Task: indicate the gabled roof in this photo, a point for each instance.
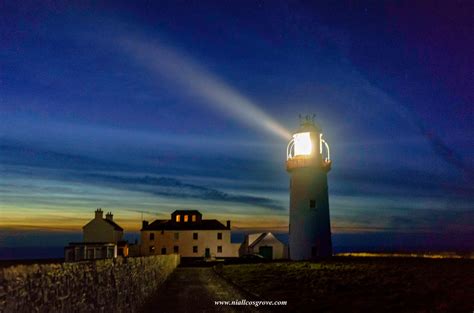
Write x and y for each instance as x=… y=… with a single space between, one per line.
x=115 y=225
x=172 y=225
x=111 y=223
x=254 y=240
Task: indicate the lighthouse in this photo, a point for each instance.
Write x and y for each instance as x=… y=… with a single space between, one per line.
x=308 y=163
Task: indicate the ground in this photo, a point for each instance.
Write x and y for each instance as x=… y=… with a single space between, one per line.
x=194 y=290
x=348 y=284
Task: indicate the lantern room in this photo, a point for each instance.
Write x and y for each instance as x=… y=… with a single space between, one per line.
x=307 y=146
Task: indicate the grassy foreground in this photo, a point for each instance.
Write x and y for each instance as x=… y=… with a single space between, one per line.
x=348 y=284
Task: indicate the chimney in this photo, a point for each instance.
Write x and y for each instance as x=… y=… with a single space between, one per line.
x=144 y=224
x=98 y=213
x=109 y=216
x=228 y=224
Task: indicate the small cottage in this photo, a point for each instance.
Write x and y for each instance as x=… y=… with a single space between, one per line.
x=102 y=238
x=265 y=244
x=102 y=229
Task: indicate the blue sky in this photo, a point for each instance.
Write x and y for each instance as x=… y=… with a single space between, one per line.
x=151 y=107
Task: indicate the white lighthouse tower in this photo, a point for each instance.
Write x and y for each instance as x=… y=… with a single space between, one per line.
x=308 y=162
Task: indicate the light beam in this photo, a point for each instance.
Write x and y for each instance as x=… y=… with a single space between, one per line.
x=169 y=63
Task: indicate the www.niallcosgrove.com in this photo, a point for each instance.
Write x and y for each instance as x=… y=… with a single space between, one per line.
x=254 y=303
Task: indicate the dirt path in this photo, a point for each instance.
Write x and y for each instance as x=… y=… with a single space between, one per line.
x=194 y=290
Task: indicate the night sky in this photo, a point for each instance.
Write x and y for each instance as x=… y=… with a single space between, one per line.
x=144 y=108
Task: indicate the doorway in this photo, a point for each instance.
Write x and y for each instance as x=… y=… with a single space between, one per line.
x=266 y=252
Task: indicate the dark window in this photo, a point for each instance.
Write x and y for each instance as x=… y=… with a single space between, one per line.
x=195 y=236
x=314 y=252
x=176 y=236
x=195 y=249
x=152 y=249
x=163 y=250
x=175 y=249
x=219 y=249
x=312 y=204
x=219 y=236
x=152 y=236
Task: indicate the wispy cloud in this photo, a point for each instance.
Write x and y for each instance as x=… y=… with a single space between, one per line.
x=399 y=181
x=447 y=153
x=74 y=168
x=166 y=186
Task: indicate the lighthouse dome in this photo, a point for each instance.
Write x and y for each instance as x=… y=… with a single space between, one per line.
x=307 y=124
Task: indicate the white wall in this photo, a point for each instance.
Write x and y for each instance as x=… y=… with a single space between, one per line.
x=206 y=239
x=99 y=230
x=280 y=250
x=278 y=247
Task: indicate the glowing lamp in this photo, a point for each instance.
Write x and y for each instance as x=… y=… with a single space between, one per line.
x=302 y=142
x=307 y=146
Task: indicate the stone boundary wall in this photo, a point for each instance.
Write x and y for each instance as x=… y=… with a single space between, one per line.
x=112 y=285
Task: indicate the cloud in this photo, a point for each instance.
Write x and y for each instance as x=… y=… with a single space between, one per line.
x=171 y=187
x=398 y=181
x=432 y=221
x=15 y=153
x=445 y=152
x=70 y=167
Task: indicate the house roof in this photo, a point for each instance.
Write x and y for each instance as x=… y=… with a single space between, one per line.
x=102 y=243
x=186 y=211
x=172 y=225
x=111 y=223
x=255 y=239
x=115 y=225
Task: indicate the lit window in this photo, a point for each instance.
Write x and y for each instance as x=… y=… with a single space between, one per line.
x=193 y=218
x=152 y=236
x=195 y=236
x=176 y=236
x=176 y=249
x=163 y=250
x=219 y=249
x=312 y=204
x=219 y=236
x=152 y=249
x=303 y=145
x=185 y=218
x=195 y=249
x=178 y=218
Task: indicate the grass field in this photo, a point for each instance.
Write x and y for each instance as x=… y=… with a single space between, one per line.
x=351 y=284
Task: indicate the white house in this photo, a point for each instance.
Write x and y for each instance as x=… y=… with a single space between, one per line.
x=102 y=238
x=265 y=244
x=102 y=229
x=189 y=235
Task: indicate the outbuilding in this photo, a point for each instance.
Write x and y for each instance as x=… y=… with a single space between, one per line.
x=265 y=244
